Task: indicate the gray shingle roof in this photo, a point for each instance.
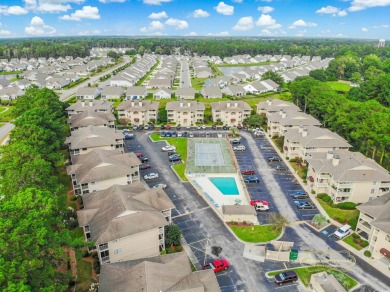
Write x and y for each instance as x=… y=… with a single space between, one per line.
x=378 y=208
x=293 y=118
x=99 y=165
x=169 y=272
x=121 y=211
x=275 y=105
x=92 y=136
x=230 y=106
x=138 y=105
x=185 y=106
x=96 y=105
x=90 y=118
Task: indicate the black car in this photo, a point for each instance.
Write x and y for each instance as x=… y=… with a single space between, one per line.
x=129 y=136
x=225 y=127
x=274 y=158
x=172 y=153
x=299 y=195
x=140 y=127
x=176 y=158
x=286 y=277
x=185 y=134
x=162 y=127
x=143 y=159
x=174 y=134
x=151 y=127
x=168 y=134
x=178 y=128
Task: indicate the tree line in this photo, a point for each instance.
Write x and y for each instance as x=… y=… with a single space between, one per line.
x=32 y=229
x=365 y=124
x=222 y=47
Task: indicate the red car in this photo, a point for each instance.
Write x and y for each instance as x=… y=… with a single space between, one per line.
x=253 y=202
x=217 y=265
x=144 y=166
x=167 y=127
x=139 y=154
x=247 y=172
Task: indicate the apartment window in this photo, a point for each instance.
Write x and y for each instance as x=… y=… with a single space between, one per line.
x=372 y=191
x=93 y=183
x=103 y=246
x=118 y=251
x=84 y=149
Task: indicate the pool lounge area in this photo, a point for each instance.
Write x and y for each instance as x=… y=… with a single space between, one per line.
x=215 y=195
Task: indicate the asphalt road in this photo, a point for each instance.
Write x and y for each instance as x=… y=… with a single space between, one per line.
x=185 y=76
x=68 y=93
x=5 y=129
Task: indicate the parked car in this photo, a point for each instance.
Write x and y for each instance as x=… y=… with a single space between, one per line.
x=143 y=159
x=151 y=127
x=235 y=141
x=162 y=127
x=168 y=134
x=251 y=179
x=253 y=202
x=191 y=135
x=174 y=134
x=188 y=127
x=168 y=148
x=262 y=206
x=304 y=205
x=172 y=153
x=343 y=231
x=162 y=134
x=204 y=127
x=146 y=127
x=175 y=158
x=139 y=154
x=265 y=147
x=299 y=195
x=158 y=186
x=140 y=127
x=239 y=148
x=151 y=175
x=247 y=172
x=135 y=127
x=144 y=166
x=168 y=127
x=274 y=158
x=178 y=128
x=125 y=131
x=185 y=134
x=286 y=277
x=207 y=135
x=199 y=127
x=214 y=127
x=217 y=265
x=179 y=134
x=225 y=127
x=281 y=168
x=129 y=136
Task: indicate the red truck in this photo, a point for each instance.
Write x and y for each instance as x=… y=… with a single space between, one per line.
x=217 y=265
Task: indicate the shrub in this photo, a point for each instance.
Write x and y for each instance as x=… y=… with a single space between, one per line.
x=73 y=198
x=94 y=255
x=364 y=243
x=353 y=223
x=293 y=160
x=313 y=192
x=367 y=253
x=169 y=250
x=85 y=254
x=355 y=235
x=356 y=240
x=320 y=196
x=326 y=198
x=179 y=248
x=346 y=206
x=172 y=235
x=319 y=219
x=287 y=158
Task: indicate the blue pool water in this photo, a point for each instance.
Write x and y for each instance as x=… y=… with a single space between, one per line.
x=226 y=185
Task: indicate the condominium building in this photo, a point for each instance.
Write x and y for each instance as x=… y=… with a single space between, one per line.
x=185 y=113
x=231 y=113
x=138 y=112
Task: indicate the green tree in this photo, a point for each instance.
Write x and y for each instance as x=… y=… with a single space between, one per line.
x=278 y=221
x=254 y=120
x=319 y=74
x=372 y=60
x=162 y=115
x=275 y=77
x=172 y=235
x=31 y=239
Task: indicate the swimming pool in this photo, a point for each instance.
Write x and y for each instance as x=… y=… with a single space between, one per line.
x=226 y=185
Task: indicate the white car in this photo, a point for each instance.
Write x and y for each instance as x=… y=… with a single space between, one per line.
x=204 y=127
x=160 y=186
x=179 y=134
x=343 y=231
x=239 y=148
x=151 y=175
x=168 y=148
x=188 y=127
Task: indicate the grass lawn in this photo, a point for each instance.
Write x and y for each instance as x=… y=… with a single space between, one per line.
x=197 y=83
x=260 y=233
x=245 y=64
x=181 y=148
x=302 y=171
x=339 y=86
x=5 y=116
x=84 y=272
x=349 y=240
x=139 y=83
x=10 y=72
x=343 y=216
x=305 y=273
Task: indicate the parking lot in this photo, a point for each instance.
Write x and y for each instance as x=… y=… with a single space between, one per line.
x=284 y=179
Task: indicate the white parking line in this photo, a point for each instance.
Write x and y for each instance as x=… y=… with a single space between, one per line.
x=281 y=287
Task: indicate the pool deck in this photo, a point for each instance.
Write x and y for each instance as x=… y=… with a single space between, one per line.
x=213 y=195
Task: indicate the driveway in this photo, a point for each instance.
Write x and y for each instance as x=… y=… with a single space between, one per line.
x=68 y=93
x=5 y=129
x=185 y=76
x=200 y=226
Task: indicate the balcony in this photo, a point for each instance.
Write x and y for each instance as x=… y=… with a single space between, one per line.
x=106 y=259
x=161 y=242
x=364 y=228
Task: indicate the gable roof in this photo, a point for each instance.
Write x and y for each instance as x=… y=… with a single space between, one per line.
x=378 y=208
x=138 y=105
x=92 y=136
x=96 y=105
x=230 y=106
x=90 y=118
x=121 y=211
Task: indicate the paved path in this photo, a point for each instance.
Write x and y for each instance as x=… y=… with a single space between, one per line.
x=68 y=93
x=5 y=129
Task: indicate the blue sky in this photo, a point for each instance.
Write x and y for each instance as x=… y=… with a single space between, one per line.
x=285 y=18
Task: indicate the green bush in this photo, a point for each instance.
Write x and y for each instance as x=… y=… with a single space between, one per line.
x=327 y=199
x=353 y=223
x=292 y=160
x=355 y=235
x=313 y=192
x=367 y=253
x=179 y=248
x=364 y=243
x=85 y=254
x=320 y=196
x=346 y=206
x=169 y=250
x=73 y=198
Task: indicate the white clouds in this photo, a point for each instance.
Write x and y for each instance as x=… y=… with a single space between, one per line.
x=158 y=15
x=155 y=2
x=381 y=26
x=244 y=23
x=4 y=32
x=13 y=10
x=237 y=1
x=50 y=6
x=358 y=5
x=265 y=9
x=364 y=29
x=177 y=23
x=301 y=33
x=267 y=22
x=87 y=12
x=153 y=26
x=198 y=13
x=222 y=33
x=111 y=1
x=39 y=28
x=332 y=10
x=302 y=23
x=90 y=32
x=224 y=9
x=192 y=33
x=267 y=32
